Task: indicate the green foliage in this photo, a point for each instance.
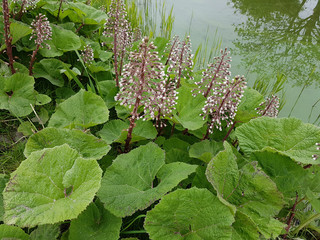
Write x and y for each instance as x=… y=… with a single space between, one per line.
x=171 y=180
x=87 y=145
x=289 y=136
x=95 y=223
x=128 y=184
x=12 y=232
x=189 y=214
x=50 y=186
x=254 y=194
x=189 y=109
x=84 y=110
x=17 y=93
x=48 y=232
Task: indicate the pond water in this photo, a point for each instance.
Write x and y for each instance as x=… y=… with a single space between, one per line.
x=266 y=38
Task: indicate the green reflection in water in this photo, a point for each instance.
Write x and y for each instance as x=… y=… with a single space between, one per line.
x=282 y=36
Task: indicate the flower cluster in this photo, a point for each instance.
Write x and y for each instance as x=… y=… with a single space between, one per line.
x=87 y=55
x=41 y=30
x=316 y=156
x=270 y=107
x=26 y=4
x=118 y=28
x=214 y=75
x=222 y=94
x=143 y=84
x=180 y=59
x=223 y=104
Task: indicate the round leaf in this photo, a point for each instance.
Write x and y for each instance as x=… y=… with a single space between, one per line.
x=12 y=232
x=189 y=214
x=95 y=223
x=289 y=136
x=17 y=93
x=189 y=108
x=127 y=184
x=50 y=186
x=84 y=109
x=87 y=145
x=64 y=39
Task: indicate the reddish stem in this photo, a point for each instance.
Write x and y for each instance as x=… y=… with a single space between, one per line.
x=33 y=58
x=134 y=113
x=214 y=77
x=291 y=217
x=180 y=64
x=231 y=128
x=8 y=38
x=81 y=26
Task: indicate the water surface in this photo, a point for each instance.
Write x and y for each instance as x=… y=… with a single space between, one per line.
x=266 y=38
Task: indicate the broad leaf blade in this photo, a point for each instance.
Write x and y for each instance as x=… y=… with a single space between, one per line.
x=205 y=150
x=17 y=93
x=50 y=186
x=12 y=232
x=47 y=232
x=189 y=214
x=127 y=184
x=189 y=108
x=95 y=223
x=249 y=189
x=84 y=109
x=289 y=136
x=87 y=145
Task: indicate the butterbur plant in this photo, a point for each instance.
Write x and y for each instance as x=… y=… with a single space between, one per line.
x=180 y=59
x=87 y=55
x=8 y=38
x=105 y=159
x=118 y=28
x=143 y=84
x=270 y=107
x=24 y=5
x=222 y=94
x=41 y=31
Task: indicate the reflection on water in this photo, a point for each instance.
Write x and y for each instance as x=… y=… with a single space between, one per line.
x=266 y=38
x=282 y=36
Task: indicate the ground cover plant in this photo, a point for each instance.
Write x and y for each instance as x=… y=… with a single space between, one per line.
x=123 y=140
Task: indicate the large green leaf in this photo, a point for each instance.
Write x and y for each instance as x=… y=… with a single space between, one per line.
x=87 y=145
x=290 y=177
x=128 y=184
x=3 y=181
x=189 y=108
x=247 y=107
x=18 y=30
x=108 y=91
x=64 y=39
x=191 y=214
x=86 y=14
x=50 y=186
x=117 y=131
x=47 y=232
x=95 y=223
x=17 y=93
x=249 y=189
x=205 y=150
x=84 y=109
x=50 y=69
x=244 y=228
x=289 y=136
x=12 y=233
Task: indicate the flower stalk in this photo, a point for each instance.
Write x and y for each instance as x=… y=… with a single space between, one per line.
x=41 y=31
x=118 y=27
x=8 y=38
x=143 y=84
